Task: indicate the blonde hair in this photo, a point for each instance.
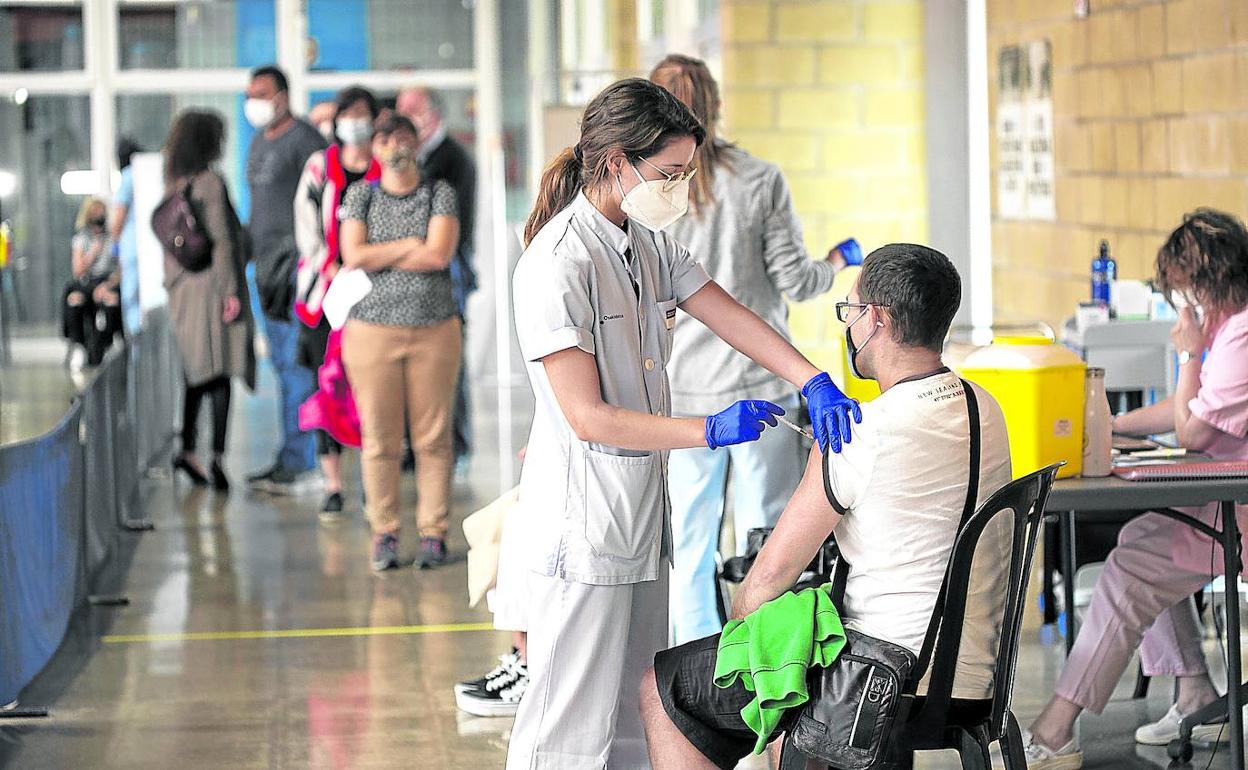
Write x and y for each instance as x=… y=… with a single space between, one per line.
x=84 y=211
x=691 y=82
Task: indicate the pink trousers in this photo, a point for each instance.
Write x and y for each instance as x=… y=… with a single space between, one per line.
x=1142 y=601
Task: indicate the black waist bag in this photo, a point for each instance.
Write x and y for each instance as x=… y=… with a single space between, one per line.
x=856 y=704
x=859 y=705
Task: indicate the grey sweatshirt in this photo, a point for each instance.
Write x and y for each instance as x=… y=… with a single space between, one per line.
x=750 y=241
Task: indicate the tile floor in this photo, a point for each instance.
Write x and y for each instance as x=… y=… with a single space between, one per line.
x=248 y=562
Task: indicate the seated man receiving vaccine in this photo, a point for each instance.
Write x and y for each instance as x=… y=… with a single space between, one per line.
x=893 y=496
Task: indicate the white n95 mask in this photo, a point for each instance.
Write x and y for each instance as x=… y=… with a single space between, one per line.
x=656 y=203
x=259 y=112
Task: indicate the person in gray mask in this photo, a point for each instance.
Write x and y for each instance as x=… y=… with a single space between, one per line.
x=280 y=147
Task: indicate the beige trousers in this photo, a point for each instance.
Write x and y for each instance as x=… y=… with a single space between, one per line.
x=404 y=376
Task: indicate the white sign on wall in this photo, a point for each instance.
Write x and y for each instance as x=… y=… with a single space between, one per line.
x=1011 y=195
x=1024 y=125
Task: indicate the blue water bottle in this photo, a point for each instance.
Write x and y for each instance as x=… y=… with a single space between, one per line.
x=1104 y=272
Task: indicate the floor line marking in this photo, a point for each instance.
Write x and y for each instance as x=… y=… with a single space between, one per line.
x=296 y=633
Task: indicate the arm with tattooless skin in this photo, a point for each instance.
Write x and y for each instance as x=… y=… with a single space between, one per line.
x=573 y=377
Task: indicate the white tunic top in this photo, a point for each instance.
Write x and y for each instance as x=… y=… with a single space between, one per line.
x=598 y=514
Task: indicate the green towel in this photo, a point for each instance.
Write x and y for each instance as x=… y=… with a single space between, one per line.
x=771 y=650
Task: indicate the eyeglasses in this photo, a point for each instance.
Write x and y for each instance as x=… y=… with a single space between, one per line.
x=843 y=308
x=670 y=180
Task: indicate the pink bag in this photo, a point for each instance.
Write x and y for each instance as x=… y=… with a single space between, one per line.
x=332 y=407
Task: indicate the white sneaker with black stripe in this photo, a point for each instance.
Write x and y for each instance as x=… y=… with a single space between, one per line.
x=499 y=698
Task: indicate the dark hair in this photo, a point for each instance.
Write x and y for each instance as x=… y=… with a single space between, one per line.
x=635 y=116
x=691 y=82
x=194 y=143
x=1209 y=253
x=269 y=70
x=126 y=148
x=921 y=288
x=391 y=123
x=348 y=98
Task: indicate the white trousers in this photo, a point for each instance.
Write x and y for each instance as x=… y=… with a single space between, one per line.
x=588 y=648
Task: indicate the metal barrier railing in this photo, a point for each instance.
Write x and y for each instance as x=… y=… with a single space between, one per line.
x=66 y=497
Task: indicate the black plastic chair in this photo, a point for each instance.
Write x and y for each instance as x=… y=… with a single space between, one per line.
x=937 y=721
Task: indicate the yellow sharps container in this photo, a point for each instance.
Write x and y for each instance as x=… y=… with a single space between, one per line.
x=1040 y=388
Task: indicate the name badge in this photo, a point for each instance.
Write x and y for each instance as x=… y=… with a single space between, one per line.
x=669 y=319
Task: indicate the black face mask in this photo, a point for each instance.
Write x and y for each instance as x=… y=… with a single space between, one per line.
x=96 y=222
x=853 y=350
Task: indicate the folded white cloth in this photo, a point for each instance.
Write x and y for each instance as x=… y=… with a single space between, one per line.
x=484 y=532
x=350 y=286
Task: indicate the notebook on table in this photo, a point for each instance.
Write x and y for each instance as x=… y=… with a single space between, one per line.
x=1184 y=471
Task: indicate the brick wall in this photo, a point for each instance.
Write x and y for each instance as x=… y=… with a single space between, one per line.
x=832 y=91
x=1151 y=120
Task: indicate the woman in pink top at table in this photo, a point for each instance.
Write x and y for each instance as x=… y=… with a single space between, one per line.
x=1142 y=599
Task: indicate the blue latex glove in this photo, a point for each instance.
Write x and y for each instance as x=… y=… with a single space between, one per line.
x=850 y=251
x=830 y=412
x=115 y=251
x=741 y=422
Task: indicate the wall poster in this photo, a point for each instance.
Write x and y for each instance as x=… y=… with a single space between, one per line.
x=1024 y=126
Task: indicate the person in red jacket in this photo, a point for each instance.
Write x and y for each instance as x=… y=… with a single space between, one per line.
x=326 y=177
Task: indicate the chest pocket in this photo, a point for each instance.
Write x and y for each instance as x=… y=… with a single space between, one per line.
x=667 y=319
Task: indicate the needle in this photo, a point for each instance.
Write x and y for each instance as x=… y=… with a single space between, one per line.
x=794 y=427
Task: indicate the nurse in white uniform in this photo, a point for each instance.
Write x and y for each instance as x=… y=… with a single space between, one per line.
x=596 y=293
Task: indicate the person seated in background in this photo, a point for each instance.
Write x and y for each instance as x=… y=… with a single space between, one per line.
x=894 y=497
x=1142 y=598
x=92 y=311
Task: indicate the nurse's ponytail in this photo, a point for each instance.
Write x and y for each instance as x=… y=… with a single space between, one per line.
x=633 y=115
x=560 y=182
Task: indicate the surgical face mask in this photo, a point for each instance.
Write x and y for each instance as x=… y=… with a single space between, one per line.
x=852 y=350
x=1182 y=299
x=259 y=112
x=656 y=204
x=354 y=130
x=399 y=159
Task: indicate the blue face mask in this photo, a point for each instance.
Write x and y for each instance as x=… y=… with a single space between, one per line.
x=852 y=350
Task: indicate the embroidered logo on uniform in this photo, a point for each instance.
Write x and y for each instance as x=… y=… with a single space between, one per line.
x=612 y=317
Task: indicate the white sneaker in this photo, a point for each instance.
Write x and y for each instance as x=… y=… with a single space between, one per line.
x=1041 y=757
x=77 y=358
x=1166 y=729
